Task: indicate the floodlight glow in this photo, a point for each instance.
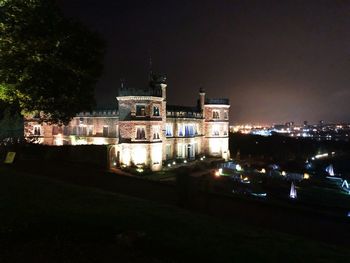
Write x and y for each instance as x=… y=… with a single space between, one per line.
x=99 y=141
x=245 y=180
x=139 y=155
x=306 y=176
x=293 y=191
x=318 y=156
x=284 y=173
x=260 y=195
x=185 y=161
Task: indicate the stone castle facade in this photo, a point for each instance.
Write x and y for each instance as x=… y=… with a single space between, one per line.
x=144 y=130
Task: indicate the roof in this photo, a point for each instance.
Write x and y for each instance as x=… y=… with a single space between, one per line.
x=182 y=108
x=183 y=111
x=220 y=101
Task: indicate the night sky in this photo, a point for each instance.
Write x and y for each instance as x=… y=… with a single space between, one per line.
x=276 y=61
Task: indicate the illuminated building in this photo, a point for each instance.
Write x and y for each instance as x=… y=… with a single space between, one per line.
x=144 y=130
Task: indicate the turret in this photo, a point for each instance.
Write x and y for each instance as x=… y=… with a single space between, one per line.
x=201 y=98
x=158 y=81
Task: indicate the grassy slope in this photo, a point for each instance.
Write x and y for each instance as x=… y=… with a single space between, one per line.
x=43 y=220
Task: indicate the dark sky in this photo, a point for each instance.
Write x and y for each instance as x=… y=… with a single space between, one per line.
x=276 y=61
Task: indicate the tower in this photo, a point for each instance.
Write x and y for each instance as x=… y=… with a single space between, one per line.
x=201 y=98
x=216 y=126
x=141 y=123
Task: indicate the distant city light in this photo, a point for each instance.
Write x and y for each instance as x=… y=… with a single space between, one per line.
x=320 y=131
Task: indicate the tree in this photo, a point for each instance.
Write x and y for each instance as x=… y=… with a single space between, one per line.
x=48 y=63
x=11 y=124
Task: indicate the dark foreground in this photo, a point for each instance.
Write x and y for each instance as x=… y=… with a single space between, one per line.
x=46 y=220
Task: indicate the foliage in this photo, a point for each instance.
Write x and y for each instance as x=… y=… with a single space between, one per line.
x=48 y=63
x=11 y=124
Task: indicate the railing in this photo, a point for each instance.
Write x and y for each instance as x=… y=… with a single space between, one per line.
x=218 y=101
x=156 y=92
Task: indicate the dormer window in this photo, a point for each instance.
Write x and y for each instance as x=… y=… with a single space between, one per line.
x=156 y=111
x=140 y=110
x=216 y=114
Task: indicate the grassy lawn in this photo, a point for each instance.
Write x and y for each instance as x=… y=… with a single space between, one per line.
x=44 y=220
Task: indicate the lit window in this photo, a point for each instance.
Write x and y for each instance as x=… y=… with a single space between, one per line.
x=140 y=133
x=180 y=127
x=140 y=110
x=169 y=130
x=189 y=130
x=81 y=130
x=37 y=130
x=155 y=110
x=226 y=115
x=90 y=130
x=156 y=133
x=216 y=114
x=215 y=130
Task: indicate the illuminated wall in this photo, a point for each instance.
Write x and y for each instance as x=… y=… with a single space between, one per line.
x=143 y=132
